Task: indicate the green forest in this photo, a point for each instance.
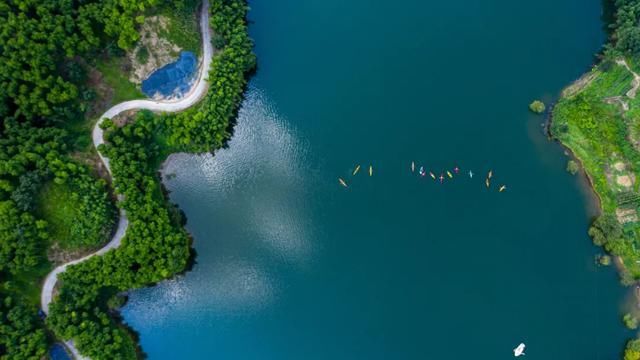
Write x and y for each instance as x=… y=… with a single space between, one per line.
x=55 y=196
x=598 y=119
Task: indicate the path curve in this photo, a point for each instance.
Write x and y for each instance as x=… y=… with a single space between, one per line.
x=195 y=94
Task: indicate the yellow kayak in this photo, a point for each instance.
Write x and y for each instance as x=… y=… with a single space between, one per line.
x=490 y=174
x=432 y=175
x=370 y=170
x=449 y=175
x=342 y=182
x=487 y=182
x=413 y=167
x=502 y=188
x=356 y=170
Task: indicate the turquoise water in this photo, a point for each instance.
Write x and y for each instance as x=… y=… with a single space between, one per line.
x=172 y=79
x=292 y=266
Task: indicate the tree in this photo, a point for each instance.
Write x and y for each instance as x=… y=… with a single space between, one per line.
x=632 y=351
x=630 y=321
x=604 y=229
x=573 y=167
x=21 y=237
x=537 y=107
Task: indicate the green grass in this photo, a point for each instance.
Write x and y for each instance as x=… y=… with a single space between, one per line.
x=57 y=207
x=115 y=77
x=27 y=284
x=142 y=55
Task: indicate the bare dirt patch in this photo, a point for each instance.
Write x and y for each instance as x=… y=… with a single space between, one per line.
x=626 y=215
x=579 y=84
x=152 y=51
x=625 y=180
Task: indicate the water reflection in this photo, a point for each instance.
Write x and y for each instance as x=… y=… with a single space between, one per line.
x=252 y=197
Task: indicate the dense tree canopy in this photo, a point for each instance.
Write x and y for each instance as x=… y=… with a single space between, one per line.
x=37 y=38
x=626 y=32
x=205 y=127
x=21 y=336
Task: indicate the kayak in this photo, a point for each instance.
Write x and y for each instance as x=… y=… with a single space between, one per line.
x=471 y=174
x=502 y=188
x=490 y=174
x=413 y=167
x=449 y=175
x=342 y=182
x=422 y=172
x=487 y=182
x=456 y=169
x=370 y=170
x=432 y=175
x=356 y=170
x=441 y=178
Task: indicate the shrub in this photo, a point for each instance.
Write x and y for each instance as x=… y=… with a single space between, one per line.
x=573 y=167
x=537 y=107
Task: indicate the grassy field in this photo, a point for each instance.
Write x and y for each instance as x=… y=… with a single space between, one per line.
x=57 y=208
x=115 y=76
x=600 y=125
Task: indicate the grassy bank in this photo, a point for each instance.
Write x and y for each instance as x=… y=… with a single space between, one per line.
x=596 y=121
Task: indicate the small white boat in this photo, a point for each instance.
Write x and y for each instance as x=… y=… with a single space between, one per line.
x=471 y=174
x=519 y=350
x=413 y=166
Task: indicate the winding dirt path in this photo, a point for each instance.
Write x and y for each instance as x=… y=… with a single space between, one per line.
x=197 y=92
x=635 y=83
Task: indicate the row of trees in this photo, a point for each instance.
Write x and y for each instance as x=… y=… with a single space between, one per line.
x=204 y=127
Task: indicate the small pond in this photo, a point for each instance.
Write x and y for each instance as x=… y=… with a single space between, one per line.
x=173 y=79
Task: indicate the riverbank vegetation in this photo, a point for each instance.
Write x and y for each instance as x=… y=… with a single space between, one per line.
x=156 y=246
x=598 y=119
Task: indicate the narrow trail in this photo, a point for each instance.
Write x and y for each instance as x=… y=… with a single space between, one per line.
x=195 y=94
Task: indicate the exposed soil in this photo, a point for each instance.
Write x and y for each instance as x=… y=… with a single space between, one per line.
x=160 y=50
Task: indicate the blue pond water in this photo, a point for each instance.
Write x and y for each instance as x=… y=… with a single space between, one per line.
x=172 y=79
x=58 y=352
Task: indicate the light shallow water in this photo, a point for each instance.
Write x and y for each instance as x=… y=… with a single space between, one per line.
x=292 y=266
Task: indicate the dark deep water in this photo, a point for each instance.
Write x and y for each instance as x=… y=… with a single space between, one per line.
x=292 y=266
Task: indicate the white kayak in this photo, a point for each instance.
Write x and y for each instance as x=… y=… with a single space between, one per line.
x=519 y=350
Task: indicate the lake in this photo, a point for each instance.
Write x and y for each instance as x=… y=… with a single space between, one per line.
x=291 y=265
